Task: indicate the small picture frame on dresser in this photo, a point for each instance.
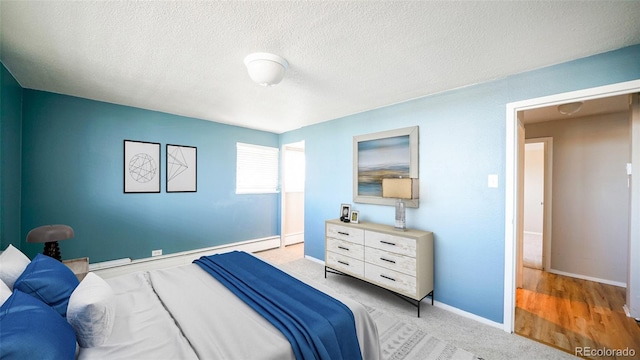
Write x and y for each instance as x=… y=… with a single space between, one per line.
x=355 y=214
x=345 y=212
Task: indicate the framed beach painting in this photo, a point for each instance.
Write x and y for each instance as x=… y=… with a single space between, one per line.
x=387 y=154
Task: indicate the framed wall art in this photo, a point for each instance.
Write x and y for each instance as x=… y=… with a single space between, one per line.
x=392 y=153
x=182 y=168
x=141 y=167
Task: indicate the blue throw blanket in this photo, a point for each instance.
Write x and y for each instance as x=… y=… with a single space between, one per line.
x=317 y=325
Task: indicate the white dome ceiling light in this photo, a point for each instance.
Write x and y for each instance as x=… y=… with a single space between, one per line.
x=266 y=69
x=570 y=108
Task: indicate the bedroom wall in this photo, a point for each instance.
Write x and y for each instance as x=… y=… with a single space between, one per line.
x=10 y=141
x=462 y=141
x=590 y=208
x=72 y=166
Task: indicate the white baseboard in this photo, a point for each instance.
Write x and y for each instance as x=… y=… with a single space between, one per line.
x=468 y=315
x=109 y=269
x=590 y=278
x=314 y=259
x=443 y=306
x=290 y=239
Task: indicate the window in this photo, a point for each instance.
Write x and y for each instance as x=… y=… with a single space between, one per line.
x=256 y=169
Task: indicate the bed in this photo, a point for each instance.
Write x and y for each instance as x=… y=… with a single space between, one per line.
x=179 y=313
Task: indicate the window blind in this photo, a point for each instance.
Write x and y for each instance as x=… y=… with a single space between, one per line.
x=256 y=169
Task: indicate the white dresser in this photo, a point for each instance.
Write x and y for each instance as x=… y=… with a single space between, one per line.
x=399 y=261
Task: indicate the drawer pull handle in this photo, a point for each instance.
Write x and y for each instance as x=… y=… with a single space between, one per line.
x=388 y=243
x=343 y=248
x=343 y=262
x=343 y=233
x=388 y=278
x=387 y=260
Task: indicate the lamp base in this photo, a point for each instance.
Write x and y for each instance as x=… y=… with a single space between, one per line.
x=52 y=249
x=401 y=223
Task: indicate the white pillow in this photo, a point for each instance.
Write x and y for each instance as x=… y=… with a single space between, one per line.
x=92 y=311
x=12 y=264
x=5 y=292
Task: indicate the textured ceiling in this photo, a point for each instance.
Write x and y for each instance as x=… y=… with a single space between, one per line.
x=345 y=57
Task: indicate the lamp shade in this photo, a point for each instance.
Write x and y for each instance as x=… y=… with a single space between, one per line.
x=400 y=188
x=266 y=69
x=50 y=233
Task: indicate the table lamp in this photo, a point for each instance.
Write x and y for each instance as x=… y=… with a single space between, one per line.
x=50 y=235
x=400 y=188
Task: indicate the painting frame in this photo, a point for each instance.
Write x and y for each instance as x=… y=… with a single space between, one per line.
x=141 y=167
x=181 y=168
x=354 y=216
x=343 y=208
x=367 y=177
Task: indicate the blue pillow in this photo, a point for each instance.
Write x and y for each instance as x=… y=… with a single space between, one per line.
x=32 y=330
x=48 y=280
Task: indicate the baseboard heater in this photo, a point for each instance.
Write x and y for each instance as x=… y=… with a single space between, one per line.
x=123 y=266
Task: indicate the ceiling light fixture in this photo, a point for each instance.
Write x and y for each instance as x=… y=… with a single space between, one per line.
x=266 y=69
x=570 y=108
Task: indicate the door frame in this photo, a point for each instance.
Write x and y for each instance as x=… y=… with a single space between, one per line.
x=513 y=190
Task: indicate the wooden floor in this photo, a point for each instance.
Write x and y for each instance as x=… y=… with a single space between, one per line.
x=283 y=255
x=573 y=314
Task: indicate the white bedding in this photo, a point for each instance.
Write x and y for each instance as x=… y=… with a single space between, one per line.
x=185 y=313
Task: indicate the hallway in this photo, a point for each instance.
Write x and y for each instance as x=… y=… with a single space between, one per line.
x=573 y=314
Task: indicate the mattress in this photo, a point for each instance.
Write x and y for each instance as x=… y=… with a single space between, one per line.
x=185 y=313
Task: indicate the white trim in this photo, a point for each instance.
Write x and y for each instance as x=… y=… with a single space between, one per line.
x=590 y=278
x=441 y=305
x=293 y=238
x=316 y=260
x=118 y=267
x=510 y=168
x=467 y=315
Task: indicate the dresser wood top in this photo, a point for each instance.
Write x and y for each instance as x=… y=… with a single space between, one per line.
x=387 y=229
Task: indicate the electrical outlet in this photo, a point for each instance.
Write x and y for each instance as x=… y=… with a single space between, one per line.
x=156 y=252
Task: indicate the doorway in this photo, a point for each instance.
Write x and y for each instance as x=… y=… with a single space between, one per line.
x=513 y=194
x=293 y=180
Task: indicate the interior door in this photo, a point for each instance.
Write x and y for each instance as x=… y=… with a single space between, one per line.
x=293 y=194
x=534 y=179
x=520 y=202
x=633 y=276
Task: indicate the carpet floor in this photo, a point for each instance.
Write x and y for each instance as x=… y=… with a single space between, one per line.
x=455 y=336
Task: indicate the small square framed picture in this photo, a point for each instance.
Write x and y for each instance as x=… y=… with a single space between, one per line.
x=345 y=211
x=354 y=216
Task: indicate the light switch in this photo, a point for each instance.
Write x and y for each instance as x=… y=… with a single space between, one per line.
x=493 y=180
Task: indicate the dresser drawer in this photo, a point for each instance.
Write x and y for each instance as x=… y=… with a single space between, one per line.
x=345 y=233
x=391 y=261
x=393 y=243
x=390 y=279
x=345 y=248
x=344 y=263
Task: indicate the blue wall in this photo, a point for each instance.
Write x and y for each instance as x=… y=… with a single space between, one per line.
x=462 y=141
x=10 y=141
x=72 y=173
